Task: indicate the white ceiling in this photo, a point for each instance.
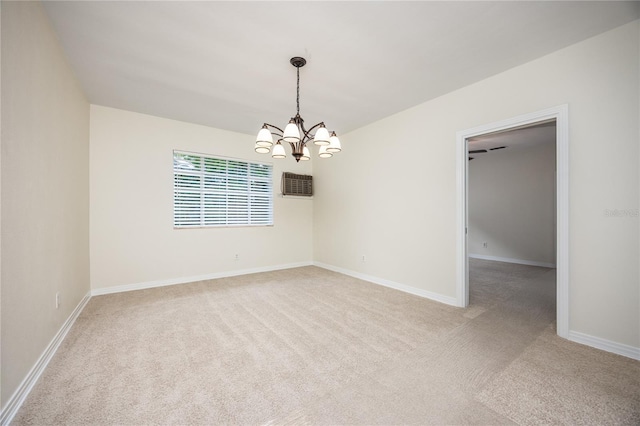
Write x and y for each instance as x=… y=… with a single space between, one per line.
x=513 y=139
x=226 y=64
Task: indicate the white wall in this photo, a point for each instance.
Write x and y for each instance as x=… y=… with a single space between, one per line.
x=132 y=236
x=390 y=195
x=512 y=203
x=45 y=190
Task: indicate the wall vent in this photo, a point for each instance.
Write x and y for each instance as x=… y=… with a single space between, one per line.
x=297 y=185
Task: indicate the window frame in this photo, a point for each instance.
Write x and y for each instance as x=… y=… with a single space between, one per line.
x=251 y=190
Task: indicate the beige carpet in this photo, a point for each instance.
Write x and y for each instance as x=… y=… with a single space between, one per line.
x=309 y=346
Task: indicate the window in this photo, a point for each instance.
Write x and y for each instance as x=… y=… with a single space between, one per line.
x=211 y=191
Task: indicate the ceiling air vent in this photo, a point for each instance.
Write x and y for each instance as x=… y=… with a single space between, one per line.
x=297 y=185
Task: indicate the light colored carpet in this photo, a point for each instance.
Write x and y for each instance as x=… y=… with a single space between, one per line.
x=310 y=346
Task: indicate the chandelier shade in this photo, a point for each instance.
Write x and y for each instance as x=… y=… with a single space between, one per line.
x=291 y=132
x=334 y=143
x=296 y=134
x=262 y=149
x=322 y=136
x=323 y=153
x=264 y=138
x=306 y=154
x=278 y=151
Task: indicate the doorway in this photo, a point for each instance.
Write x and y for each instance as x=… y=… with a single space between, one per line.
x=559 y=116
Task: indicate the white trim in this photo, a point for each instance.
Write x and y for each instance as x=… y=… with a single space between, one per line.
x=561 y=115
x=15 y=402
x=562 y=221
x=185 y=280
x=605 y=345
x=510 y=260
x=462 y=218
x=208 y=154
x=391 y=284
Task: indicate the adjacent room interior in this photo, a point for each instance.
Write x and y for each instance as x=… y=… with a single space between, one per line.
x=512 y=214
x=124 y=301
x=511 y=222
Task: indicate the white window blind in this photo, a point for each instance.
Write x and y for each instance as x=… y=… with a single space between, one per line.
x=211 y=191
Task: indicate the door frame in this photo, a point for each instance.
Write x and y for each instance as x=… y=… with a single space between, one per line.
x=561 y=115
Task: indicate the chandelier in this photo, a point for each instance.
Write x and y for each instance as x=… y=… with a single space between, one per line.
x=296 y=134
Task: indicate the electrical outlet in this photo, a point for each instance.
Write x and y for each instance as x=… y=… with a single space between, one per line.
x=364 y=258
x=485 y=245
x=237 y=257
x=57 y=300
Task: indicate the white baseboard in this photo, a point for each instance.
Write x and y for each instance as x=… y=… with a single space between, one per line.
x=605 y=345
x=391 y=284
x=15 y=402
x=510 y=260
x=185 y=280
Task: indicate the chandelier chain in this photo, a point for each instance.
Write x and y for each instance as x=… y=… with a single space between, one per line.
x=298 y=91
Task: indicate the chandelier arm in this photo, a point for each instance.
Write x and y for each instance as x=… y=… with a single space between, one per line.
x=307 y=133
x=275 y=127
x=320 y=124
